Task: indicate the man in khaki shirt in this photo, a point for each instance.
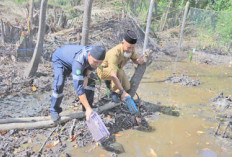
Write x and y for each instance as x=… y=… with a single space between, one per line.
x=112 y=66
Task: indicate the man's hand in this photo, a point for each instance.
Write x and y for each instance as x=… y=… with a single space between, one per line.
x=140 y=60
x=88 y=112
x=124 y=95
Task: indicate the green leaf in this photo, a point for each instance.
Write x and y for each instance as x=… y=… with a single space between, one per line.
x=190 y=57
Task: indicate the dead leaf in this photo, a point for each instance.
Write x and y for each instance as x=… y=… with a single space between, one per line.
x=56 y=142
x=23 y=33
x=34 y=88
x=102 y=155
x=56 y=134
x=117 y=135
x=52 y=144
x=73 y=138
x=23 y=134
x=76 y=146
x=170 y=142
x=176 y=105
x=49 y=146
x=138 y=120
x=3 y=132
x=96 y=144
x=153 y=153
x=200 y=132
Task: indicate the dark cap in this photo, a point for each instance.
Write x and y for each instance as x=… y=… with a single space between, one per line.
x=98 y=52
x=130 y=37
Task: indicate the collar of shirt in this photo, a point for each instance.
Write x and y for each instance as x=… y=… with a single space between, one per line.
x=87 y=51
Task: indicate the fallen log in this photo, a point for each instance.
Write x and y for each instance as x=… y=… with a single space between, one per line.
x=45 y=122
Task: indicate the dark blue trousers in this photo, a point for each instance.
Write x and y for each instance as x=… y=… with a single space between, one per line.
x=60 y=75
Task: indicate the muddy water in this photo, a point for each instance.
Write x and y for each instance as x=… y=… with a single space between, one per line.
x=189 y=135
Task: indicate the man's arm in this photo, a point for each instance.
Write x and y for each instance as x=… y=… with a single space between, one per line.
x=119 y=85
x=136 y=59
x=78 y=83
x=86 y=78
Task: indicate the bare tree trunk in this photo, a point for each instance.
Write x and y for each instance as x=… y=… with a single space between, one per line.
x=148 y=25
x=183 y=23
x=165 y=16
x=54 y=10
x=140 y=70
x=155 y=5
x=31 y=25
x=86 y=22
x=31 y=12
x=2 y=32
x=32 y=68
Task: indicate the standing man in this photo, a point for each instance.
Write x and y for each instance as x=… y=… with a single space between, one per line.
x=112 y=66
x=80 y=61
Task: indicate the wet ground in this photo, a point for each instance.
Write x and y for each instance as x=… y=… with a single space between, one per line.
x=185 y=88
x=192 y=133
x=188 y=130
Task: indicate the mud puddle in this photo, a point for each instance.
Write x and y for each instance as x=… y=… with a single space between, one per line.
x=192 y=133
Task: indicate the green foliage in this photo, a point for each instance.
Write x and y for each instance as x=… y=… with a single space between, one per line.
x=224 y=27
x=221 y=5
x=20 y=1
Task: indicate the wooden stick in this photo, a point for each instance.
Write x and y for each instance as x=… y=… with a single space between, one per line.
x=47 y=123
x=218 y=127
x=72 y=128
x=227 y=126
x=41 y=149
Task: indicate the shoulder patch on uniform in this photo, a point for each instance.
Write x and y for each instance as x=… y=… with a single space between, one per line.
x=78 y=72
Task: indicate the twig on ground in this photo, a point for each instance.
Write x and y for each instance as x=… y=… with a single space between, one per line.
x=72 y=128
x=41 y=149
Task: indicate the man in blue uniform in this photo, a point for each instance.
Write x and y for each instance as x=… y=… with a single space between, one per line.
x=80 y=61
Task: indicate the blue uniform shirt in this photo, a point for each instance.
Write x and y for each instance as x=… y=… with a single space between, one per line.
x=74 y=58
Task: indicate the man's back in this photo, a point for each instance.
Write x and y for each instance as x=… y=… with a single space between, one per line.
x=67 y=54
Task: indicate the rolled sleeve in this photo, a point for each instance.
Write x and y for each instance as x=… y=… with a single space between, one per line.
x=78 y=78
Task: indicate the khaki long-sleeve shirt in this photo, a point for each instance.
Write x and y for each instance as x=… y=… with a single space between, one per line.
x=115 y=59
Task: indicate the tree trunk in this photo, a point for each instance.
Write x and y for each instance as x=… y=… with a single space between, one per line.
x=54 y=12
x=140 y=70
x=7 y=36
x=31 y=13
x=2 y=32
x=165 y=16
x=31 y=25
x=32 y=68
x=183 y=23
x=62 y=19
x=156 y=11
x=86 y=22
